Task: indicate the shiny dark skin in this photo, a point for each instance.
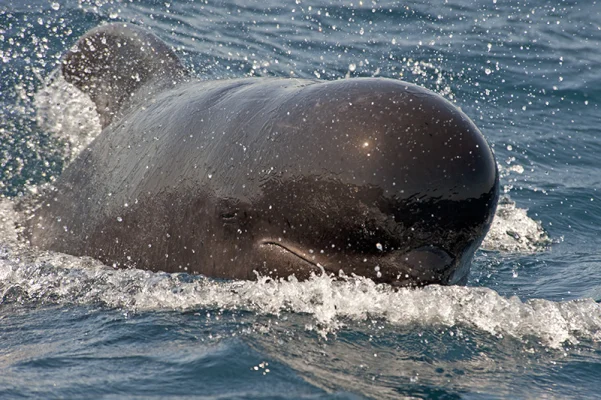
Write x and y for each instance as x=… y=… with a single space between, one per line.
x=374 y=177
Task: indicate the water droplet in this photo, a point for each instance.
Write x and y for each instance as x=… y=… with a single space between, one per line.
x=56 y=6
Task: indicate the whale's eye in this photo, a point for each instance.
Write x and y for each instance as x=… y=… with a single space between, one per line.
x=233 y=213
x=230 y=215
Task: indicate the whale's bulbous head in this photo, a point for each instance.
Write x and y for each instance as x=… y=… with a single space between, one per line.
x=374 y=177
x=396 y=184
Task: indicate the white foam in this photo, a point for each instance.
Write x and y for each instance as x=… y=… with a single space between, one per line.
x=326 y=300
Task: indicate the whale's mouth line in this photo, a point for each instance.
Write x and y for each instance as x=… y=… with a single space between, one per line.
x=270 y=243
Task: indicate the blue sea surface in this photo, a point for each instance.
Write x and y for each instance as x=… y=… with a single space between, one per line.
x=528 y=323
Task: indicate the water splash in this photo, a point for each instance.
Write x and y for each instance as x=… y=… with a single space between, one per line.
x=67 y=113
x=512 y=230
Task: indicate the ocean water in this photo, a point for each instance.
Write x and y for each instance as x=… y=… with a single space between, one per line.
x=526 y=325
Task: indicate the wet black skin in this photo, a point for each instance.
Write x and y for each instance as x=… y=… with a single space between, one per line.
x=374 y=177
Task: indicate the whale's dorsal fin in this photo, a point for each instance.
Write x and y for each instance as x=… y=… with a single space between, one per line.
x=111 y=62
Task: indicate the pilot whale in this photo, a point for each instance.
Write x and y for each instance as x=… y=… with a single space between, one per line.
x=374 y=177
